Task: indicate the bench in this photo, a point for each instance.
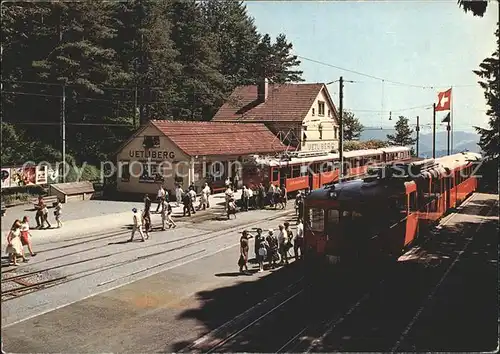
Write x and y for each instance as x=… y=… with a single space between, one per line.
x=219 y=190
x=49 y=199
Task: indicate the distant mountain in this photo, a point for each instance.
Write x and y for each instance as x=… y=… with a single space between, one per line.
x=461 y=140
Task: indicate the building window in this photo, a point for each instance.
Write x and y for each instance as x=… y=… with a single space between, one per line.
x=321 y=109
x=151 y=141
x=150 y=173
x=125 y=171
x=217 y=171
x=320 y=129
x=313 y=112
x=329 y=113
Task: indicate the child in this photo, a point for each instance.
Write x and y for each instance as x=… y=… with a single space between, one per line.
x=57 y=214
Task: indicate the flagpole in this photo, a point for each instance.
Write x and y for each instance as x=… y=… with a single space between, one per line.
x=434 y=131
x=450 y=123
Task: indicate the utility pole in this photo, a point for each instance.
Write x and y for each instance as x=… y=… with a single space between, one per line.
x=434 y=131
x=448 y=128
x=341 y=128
x=417 y=129
x=135 y=107
x=63 y=133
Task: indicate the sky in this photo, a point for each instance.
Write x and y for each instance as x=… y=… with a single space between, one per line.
x=425 y=43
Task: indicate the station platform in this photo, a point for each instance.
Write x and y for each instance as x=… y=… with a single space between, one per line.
x=92 y=216
x=165 y=308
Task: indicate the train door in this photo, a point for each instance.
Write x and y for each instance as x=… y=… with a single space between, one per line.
x=285 y=172
x=275 y=175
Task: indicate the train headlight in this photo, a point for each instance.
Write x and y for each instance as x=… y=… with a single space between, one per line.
x=333 y=195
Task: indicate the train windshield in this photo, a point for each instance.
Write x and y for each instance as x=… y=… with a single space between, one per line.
x=344 y=221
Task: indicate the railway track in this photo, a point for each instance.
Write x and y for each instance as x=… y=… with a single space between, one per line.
x=199 y=238
x=374 y=313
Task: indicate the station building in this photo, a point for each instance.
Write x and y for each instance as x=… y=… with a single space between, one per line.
x=170 y=152
x=301 y=115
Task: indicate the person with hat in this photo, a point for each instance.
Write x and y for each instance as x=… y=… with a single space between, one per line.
x=137 y=225
x=262 y=248
x=242 y=262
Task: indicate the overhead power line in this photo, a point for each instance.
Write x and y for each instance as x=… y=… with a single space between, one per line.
x=380 y=78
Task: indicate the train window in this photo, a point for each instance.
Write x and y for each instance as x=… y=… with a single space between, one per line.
x=295 y=171
x=436 y=187
x=333 y=218
x=275 y=174
x=327 y=166
x=304 y=170
x=317 y=219
x=315 y=167
x=412 y=201
x=285 y=172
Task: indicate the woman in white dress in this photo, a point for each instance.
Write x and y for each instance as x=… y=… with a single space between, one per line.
x=15 y=246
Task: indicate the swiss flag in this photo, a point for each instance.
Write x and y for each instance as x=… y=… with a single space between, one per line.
x=444 y=101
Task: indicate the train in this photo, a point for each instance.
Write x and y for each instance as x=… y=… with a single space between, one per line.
x=312 y=170
x=376 y=219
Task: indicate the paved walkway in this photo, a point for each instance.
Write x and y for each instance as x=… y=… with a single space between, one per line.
x=92 y=216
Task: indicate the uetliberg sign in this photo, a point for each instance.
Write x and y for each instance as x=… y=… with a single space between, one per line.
x=160 y=155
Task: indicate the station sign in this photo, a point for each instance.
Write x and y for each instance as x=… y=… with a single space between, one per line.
x=152 y=154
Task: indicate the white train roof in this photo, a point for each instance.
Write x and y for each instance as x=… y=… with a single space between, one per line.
x=395 y=149
x=275 y=161
x=360 y=153
x=453 y=161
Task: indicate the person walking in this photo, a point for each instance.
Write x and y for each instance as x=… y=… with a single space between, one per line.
x=39 y=214
x=147 y=202
x=160 y=197
x=228 y=196
x=45 y=216
x=178 y=194
x=57 y=213
x=14 y=246
x=146 y=221
x=137 y=225
x=231 y=208
x=187 y=202
x=207 y=192
x=26 y=235
x=298 y=245
x=242 y=262
x=192 y=194
x=166 y=216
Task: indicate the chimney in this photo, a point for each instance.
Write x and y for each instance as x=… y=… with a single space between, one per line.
x=262 y=90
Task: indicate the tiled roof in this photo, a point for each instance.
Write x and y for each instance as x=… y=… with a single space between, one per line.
x=285 y=102
x=220 y=138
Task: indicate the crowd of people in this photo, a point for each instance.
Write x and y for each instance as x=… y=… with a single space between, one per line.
x=19 y=234
x=274 y=248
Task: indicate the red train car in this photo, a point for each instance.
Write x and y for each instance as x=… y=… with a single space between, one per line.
x=377 y=218
x=302 y=170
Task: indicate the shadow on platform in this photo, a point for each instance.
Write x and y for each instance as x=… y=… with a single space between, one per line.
x=461 y=313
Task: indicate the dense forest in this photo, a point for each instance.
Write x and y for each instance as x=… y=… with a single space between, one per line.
x=116 y=65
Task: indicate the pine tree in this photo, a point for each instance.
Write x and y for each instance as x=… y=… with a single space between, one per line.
x=285 y=62
x=200 y=84
x=146 y=51
x=352 y=126
x=403 y=136
x=236 y=41
x=489 y=73
x=275 y=62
